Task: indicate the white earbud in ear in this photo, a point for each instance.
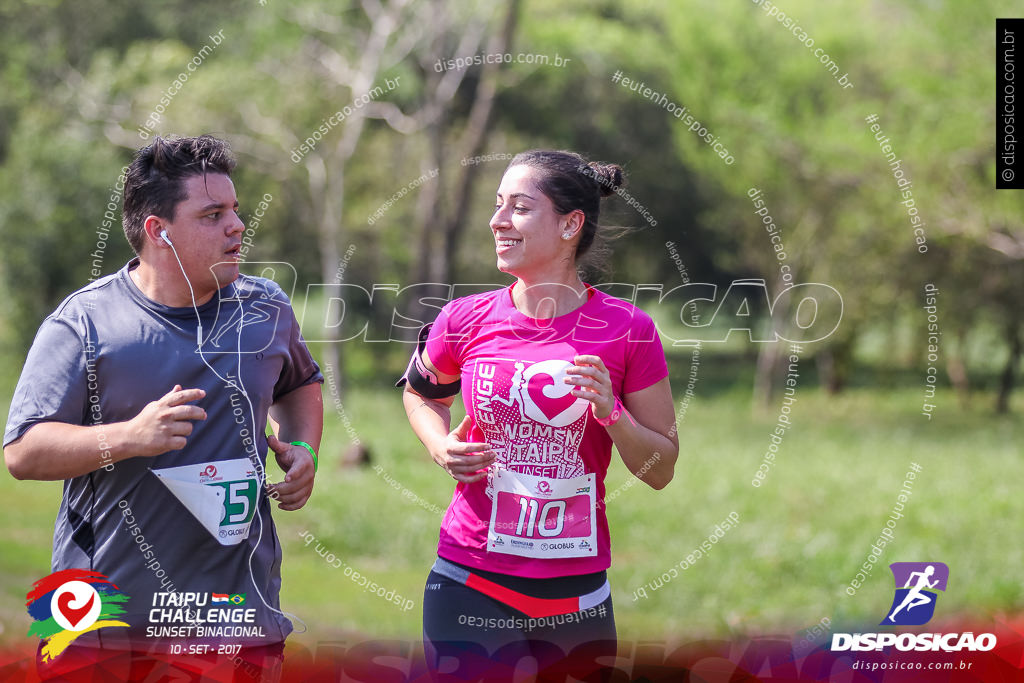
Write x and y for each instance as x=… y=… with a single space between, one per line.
x=165 y=238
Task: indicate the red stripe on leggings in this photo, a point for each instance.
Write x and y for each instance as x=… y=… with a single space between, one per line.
x=535 y=608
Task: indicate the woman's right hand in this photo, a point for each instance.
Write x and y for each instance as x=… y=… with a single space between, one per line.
x=464 y=461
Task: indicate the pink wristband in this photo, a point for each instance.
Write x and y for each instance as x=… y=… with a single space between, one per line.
x=617 y=410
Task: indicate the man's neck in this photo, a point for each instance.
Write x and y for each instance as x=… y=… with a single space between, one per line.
x=167 y=287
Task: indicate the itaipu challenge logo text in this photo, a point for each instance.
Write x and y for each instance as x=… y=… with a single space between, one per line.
x=71 y=602
x=917 y=591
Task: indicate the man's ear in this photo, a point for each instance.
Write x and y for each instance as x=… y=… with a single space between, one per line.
x=153 y=226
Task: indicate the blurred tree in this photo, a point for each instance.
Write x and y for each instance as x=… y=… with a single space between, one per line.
x=445 y=218
x=57 y=180
x=332 y=71
x=75 y=74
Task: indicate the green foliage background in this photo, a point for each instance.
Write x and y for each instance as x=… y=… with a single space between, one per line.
x=78 y=79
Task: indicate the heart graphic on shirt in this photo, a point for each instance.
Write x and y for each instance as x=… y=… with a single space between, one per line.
x=74 y=615
x=541 y=388
x=546 y=398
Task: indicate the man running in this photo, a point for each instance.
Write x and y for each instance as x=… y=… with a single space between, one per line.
x=148 y=393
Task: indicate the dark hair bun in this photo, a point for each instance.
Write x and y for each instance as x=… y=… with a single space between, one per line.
x=609 y=177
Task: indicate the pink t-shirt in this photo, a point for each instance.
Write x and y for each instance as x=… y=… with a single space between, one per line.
x=512 y=369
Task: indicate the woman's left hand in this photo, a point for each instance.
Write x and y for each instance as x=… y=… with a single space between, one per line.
x=592 y=382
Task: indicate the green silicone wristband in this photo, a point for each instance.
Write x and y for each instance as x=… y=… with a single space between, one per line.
x=308 y=448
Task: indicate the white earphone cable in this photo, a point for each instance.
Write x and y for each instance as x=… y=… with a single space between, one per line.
x=253 y=455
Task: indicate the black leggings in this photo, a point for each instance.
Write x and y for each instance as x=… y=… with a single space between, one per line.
x=469 y=636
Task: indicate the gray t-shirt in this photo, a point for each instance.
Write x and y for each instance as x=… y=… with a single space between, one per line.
x=99 y=358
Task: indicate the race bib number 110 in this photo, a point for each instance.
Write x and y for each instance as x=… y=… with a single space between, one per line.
x=541 y=517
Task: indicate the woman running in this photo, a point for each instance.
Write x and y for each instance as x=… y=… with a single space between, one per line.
x=552 y=373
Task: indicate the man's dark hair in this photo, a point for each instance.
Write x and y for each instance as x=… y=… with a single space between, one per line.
x=155 y=181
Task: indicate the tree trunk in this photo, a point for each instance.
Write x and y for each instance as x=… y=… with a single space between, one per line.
x=957 y=370
x=432 y=264
x=476 y=135
x=767 y=375
x=826 y=361
x=1006 y=381
x=765 y=383
x=835 y=363
x=441 y=230
x=329 y=228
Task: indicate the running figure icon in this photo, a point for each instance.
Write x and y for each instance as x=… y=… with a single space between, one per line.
x=515 y=392
x=915 y=597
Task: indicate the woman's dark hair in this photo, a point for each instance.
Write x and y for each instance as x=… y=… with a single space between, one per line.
x=571 y=183
x=155 y=181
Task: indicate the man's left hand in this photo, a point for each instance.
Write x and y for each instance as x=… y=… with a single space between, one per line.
x=297 y=463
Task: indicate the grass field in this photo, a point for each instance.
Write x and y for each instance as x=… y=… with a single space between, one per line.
x=800 y=539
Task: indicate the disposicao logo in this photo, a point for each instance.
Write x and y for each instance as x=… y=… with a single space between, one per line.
x=916 y=586
x=71 y=602
x=913 y=604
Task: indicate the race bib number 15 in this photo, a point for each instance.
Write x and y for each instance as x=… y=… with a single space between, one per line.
x=221 y=495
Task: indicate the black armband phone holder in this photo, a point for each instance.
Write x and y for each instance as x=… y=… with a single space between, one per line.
x=420 y=379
